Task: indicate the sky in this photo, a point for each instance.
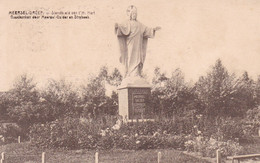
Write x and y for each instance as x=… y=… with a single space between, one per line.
x=194 y=35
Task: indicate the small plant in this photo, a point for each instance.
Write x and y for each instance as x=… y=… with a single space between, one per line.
x=208 y=147
x=10 y=132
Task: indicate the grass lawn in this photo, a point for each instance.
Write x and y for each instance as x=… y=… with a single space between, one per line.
x=24 y=152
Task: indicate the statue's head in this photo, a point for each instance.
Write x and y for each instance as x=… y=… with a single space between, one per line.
x=132 y=12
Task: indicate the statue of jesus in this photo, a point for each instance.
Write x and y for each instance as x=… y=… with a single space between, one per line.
x=133 y=36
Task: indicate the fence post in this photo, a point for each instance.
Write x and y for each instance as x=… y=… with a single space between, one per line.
x=3 y=139
x=43 y=157
x=19 y=139
x=159 y=157
x=3 y=157
x=218 y=156
x=96 y=157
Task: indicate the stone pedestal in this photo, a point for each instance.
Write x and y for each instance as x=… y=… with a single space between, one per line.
x=134 y=99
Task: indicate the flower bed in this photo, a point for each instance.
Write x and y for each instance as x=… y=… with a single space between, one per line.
x=72 y=133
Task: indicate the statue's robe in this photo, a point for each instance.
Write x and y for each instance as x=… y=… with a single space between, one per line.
x=133 y=37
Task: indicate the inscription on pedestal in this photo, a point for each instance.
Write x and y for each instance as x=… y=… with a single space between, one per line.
x=134 y=103
x=138 y=102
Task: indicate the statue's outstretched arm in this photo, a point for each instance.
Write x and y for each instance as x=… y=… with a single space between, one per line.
x=157 y=28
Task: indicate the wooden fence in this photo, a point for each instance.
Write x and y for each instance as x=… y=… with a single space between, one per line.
x=43 y=157
x=219 y=159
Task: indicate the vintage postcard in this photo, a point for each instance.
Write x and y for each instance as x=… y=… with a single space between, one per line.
x=129 y=81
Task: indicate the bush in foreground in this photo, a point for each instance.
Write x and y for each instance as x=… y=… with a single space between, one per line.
x=75 y=133
x=208 y=147
x=72 y=133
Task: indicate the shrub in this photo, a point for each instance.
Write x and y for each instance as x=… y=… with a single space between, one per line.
x=232 y=129
x=176 y=126
x=68 y=133
x=207 y=147
x=10 y=133
x=253 y=121
x=224 y=129
x=73 y=133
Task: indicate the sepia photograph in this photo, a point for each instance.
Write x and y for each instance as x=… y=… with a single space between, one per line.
x=129 y=81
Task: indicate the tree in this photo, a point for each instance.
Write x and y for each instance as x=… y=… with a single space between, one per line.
x=158 y=82
x=94 y=97
x=257 y=91
x=28 y=106
x=221 y=93
x=115 y=78
x=22 y=102
x=3 y=104
x=245 y=97
x=110 y=106
x=60 y=99
x=172 y=95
